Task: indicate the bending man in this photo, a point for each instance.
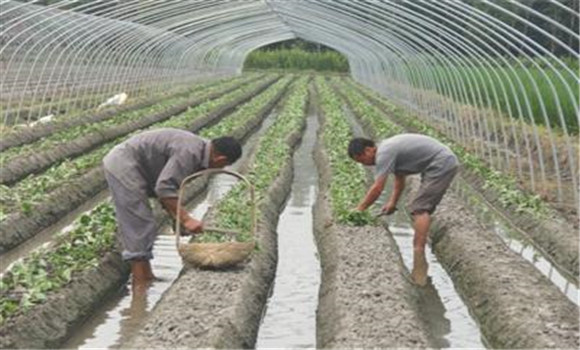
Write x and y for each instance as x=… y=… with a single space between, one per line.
x=403 y=155
x=153 y=164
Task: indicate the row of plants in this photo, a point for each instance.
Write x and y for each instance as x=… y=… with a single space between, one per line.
x=246 y=112
x=35 y=188
x=368 y=113
x=297 y=59
x=510 y=195
x=68 y=135
x=272 y=151
x=347 y=185
x=76 y=115
x=29 y=281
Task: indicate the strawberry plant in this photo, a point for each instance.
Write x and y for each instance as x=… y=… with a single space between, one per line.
x=28 y=281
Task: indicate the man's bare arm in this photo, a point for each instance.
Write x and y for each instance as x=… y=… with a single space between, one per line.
x=170 y=205
x=373 y=193
x=398 y=188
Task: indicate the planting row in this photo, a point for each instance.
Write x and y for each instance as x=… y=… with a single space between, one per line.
x=497 y=284
x=41 y=200
x=551 y=234
x=20 y=136
x=365 y=300
x=42 y=276
x=22 y=160
x=205 y=308
x=34 y=188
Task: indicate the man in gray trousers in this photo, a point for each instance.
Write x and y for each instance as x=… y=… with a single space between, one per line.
x=402 y=155
x=153 y=164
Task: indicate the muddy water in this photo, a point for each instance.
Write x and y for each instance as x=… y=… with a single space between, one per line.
x=516 y=241
x=290 y=317
x=125 y=312
x=442 y=309
x=444 y=313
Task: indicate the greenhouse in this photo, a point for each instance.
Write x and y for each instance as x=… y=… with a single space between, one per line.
x=337 y=221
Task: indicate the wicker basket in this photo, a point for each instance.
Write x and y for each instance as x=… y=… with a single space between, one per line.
x=215 y=255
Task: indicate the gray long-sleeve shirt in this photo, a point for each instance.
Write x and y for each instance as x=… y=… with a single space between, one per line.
x=157 y=161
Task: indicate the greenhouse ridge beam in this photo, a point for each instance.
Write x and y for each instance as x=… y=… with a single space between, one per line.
x=455 y=63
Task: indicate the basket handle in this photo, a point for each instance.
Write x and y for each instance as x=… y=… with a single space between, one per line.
x=212 y=172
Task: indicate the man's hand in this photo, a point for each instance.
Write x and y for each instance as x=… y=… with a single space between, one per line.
x=193 y=226
x=389 y=208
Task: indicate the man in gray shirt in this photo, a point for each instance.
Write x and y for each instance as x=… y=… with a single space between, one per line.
x=402 y=155
x=153 y=164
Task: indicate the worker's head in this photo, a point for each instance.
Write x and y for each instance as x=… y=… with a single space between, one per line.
x=224 y=151
x=362 y=150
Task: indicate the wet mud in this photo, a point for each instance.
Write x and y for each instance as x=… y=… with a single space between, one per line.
x=290 y=317
x=558 y=239
x=365 y=298
x=222 y=308
x=515 y=305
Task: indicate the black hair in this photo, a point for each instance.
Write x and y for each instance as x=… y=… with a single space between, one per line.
x=357 y=146
x=229 y=147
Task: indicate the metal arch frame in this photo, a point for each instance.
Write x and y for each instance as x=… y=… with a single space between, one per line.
x=572 y=157
x=418 y=38
x=387 y=43
x=540 y=157
x=476 y=52
x=91 y=5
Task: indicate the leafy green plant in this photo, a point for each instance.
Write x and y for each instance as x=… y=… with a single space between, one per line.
x=70 y=134
x=272 y=151
x=34 y=189
x=27 y=282
x=297 y=59
x=509 y=195
x=348 y=182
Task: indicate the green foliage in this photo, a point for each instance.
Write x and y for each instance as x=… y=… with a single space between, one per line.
x=348 y=179
x=368 y=113
x=35 y=188
x=246 y=112
x=297 y=59
x=29 y=281
x=71 y=134
x=518 y=86
x=272 y=152
x=510 y=196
